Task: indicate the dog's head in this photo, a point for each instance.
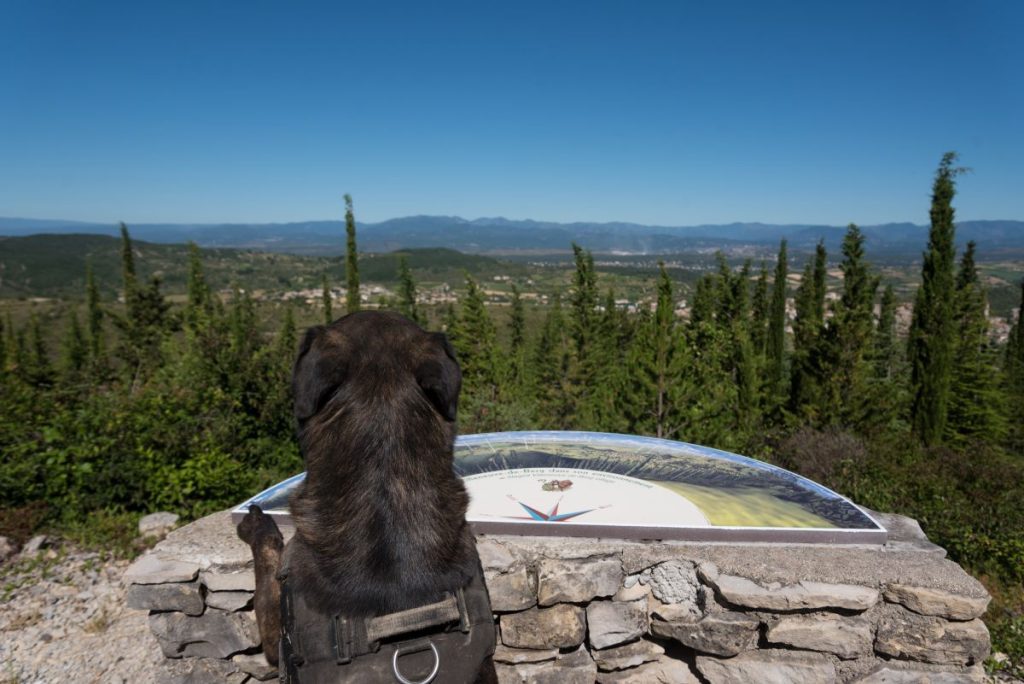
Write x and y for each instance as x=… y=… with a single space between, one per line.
x=376 y=368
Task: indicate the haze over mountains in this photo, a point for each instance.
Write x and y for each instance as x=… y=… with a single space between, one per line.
x=500 y=235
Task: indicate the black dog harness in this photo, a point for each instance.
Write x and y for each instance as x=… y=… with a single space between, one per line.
x=446 y=641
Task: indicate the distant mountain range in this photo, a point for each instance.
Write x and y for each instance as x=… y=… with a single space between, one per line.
x=500 y=235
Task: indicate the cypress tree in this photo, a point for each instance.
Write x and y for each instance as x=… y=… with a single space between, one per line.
x=806 y=374
x=1014 y=374
x=885 y=336
x=704 y=302
x=197 y=289
x=932 y=329
x=76 y=349
x=94 y=318
x=3 y=350
x=759 y=312
x=775 y=344
x=325 y=296
x=407 y=292
x=583 y=299
x=128 y=277
x=475 y=339
x=352 y=301
x=517 y=322
x=551 y=367
x=40 y=371
x=975 y=404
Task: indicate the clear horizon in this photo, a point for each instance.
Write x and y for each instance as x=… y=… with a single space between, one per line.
x=664 y=114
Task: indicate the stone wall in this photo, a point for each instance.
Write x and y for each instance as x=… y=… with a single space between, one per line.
x=585 y=610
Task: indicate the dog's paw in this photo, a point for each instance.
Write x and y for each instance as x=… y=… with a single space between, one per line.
x=257 y=526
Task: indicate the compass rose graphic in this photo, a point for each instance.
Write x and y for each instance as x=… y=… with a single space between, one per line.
x=552 y=515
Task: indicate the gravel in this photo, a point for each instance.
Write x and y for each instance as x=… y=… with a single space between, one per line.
x=63 y=618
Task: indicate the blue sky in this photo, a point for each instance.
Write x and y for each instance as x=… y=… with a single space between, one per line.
x=674 y=113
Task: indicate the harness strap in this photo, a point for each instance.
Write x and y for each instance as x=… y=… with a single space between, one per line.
x=413 y=619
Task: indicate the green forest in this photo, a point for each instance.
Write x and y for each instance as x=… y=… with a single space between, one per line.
x=142 y=404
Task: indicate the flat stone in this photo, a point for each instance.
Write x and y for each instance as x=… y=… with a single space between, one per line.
x=494 y=556
x=210 y=542
x=895 y=674
x=180 y=596
x=846 y=637
x=723 y=634
x=906 y=635
x=561 y=626
x=575 y=667
x=804 y=595
x=215 y=634
x=769 y=667
x=198 y=671
x=511 y=591
x=627 y=655
x=255 y=665
x=34 y=545
x=632 y=591
x=937 y=602
x=157 y=524
x=515 y=656
x=577 y=581
x=243 y=580
x=672 y=582
x=152 y=569
x=664 y=671
x=229 y=600
x=615 y=622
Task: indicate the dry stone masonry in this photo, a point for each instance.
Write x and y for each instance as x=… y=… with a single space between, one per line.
x=611 y=611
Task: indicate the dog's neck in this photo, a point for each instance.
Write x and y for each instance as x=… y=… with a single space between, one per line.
x=381 y=513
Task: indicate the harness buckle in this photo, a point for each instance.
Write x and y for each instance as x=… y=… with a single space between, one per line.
x=342 y=640
x=415 y=647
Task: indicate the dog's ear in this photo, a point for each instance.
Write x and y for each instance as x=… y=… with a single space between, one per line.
x=441 y=380
x=314 y=376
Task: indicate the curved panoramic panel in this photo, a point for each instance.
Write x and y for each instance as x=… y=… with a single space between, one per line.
x=605 y=485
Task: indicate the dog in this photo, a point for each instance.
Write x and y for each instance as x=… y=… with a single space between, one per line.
x=381 y=542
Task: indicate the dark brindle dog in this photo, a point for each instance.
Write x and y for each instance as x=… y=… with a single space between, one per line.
x=381 y=581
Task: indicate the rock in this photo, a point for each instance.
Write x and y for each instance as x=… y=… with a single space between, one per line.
x=615 y=622
x=34 y=545
x=673 y=582
x=937 y=602
x=560 y=626
x=576 y=581
x=631 y=591
x=769 y=667
x=723 y=634
x=199 y=671
x=215 y=634
x=576 y=667
x=664 y=671
x=151 y=569
x=255 y=665
x=846 y=637
x=511 y=591
x=494 y=556
x=805 y=595
x=180 y=596
x=515 y=656
x=628 y=655
x=906 y=635
x=157 y=524
x=889 y=674
x=7 y=549
x=229 y=600
x=244 y=580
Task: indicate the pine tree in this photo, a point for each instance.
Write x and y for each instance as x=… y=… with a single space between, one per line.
x=197 y=289
x=704 y=302
x=407 y=292
x=128 y=277
x=474 y=339
x=583 y=299
x=352 y=301
x=932 y=330
x=517 y=322
x=551 y=368
x=845 y=347
x=3 y=350
x=605 y=368
x=976 y=409
x=327 y=300
x=775 y=343
x=39 y=370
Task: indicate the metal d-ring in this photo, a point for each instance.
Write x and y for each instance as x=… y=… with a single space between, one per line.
x=416 y=649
